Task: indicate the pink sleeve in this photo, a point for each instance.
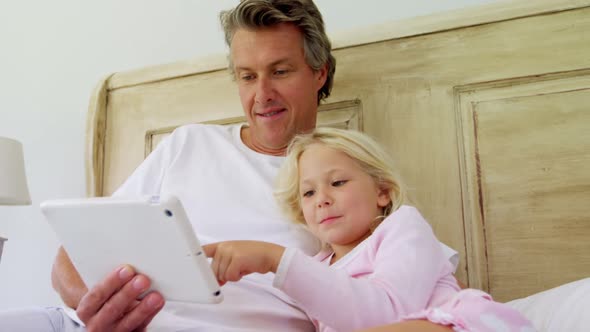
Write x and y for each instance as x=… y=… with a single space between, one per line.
x=406 y=259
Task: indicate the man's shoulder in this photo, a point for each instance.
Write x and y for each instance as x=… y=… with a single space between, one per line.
x=199 y=132
x=204 y=129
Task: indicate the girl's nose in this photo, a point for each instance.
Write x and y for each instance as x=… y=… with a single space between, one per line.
x=323 y=200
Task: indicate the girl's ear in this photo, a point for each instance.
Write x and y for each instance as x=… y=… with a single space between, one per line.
x=383 y=197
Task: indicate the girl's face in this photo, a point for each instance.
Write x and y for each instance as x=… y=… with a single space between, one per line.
x=339 y=200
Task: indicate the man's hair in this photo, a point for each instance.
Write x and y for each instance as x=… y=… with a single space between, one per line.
x=257 y=14
x=361 y=148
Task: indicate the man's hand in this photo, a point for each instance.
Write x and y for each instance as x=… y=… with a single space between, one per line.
x=112 y=304
x=234 y=259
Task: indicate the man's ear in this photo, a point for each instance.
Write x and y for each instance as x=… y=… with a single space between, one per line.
x=321 y=76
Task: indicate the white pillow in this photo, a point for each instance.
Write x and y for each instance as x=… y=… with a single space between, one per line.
x=564 y=308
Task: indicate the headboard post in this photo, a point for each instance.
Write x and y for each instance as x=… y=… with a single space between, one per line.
x=95 y=138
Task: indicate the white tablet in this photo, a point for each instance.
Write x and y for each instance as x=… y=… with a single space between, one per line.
x=153 y=235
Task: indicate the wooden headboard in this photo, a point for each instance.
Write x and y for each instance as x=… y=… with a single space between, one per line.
x=486 y=111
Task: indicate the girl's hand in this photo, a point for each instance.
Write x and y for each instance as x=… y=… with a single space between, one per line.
x=234 y=259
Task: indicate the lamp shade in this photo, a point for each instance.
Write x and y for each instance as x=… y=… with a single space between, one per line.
x=13 y=183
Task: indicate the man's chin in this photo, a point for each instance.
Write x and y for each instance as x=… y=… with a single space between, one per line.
x=275 y=144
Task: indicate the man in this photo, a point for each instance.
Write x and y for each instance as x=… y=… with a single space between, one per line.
x=281 y=59
x=279 y=93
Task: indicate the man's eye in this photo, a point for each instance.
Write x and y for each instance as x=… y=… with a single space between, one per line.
x=247 y=77
x=308 y=193
x=280 y=72
x=339 y=183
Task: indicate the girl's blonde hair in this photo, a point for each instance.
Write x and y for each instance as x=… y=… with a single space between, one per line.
x=369 y=155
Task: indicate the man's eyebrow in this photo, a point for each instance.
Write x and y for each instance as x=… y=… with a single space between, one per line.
x=272 y=64
x=280 y=62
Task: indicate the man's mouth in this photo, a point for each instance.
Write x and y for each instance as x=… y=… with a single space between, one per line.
x=271 y=113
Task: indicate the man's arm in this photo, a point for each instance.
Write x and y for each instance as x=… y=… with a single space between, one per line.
x=66 y=281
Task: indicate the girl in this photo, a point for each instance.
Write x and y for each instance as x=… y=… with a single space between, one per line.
x=381 y=263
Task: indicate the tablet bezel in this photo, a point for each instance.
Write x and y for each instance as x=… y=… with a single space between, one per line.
x=151 y=234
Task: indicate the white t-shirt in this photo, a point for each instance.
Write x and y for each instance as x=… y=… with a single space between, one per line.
x=226 y=190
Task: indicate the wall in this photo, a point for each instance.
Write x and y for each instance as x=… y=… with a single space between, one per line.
x=52 y=54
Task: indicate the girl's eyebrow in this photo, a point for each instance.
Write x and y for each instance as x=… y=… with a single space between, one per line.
x=330 y=172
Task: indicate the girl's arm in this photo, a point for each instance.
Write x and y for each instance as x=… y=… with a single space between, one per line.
x=234 y=259
x=401 y=263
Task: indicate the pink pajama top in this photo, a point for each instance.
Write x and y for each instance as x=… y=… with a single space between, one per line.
x=399 y=270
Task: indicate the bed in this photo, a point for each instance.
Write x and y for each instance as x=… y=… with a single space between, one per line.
x=485 y=110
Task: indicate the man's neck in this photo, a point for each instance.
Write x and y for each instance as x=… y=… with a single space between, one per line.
x=246 y=138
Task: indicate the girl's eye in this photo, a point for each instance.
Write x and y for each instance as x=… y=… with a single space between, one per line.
x=339 y=183
x=308 y=193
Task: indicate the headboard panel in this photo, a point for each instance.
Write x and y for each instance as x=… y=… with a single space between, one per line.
x=484 y=110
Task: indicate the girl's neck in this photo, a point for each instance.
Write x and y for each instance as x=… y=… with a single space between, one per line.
x=334 y=259
x=341 y=250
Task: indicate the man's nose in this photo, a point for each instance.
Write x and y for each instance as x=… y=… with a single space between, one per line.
x=264 y=91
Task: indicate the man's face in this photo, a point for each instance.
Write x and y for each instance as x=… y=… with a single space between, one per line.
x=278 y=89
